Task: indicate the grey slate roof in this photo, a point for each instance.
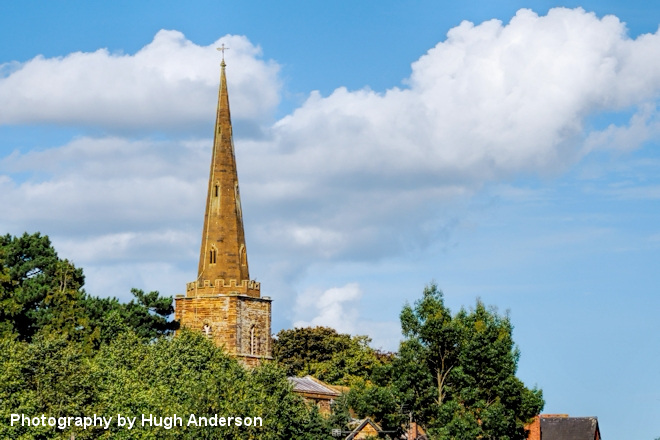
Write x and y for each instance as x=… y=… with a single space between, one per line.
x=569 y=428
x=309 y=385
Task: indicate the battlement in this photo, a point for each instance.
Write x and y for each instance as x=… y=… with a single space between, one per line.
x=221 y=286
x=225 y=284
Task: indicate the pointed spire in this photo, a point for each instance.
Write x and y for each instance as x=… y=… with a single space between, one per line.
x=223 y=302
x=223 y=266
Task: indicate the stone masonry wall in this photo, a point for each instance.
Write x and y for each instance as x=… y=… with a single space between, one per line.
x=240 y=324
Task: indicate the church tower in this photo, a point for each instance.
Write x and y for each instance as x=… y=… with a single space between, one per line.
x=224 y=303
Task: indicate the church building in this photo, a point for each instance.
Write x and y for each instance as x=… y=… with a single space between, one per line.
x=223 y=302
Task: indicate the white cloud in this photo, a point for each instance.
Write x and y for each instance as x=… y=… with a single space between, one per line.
x=643 y=126
x=171 y=83
x=337 y=307
x=118 y=279
x=341 y=309
x=152 y=246
x=366 y=171
x=491 y=101
x=100 y=185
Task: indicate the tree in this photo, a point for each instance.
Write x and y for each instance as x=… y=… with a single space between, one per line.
x=298 y=350
x=147 y=314
x=380 y=402
x=333 y=357
x=430 y=328
x=183 y=375
x=40 y=292
x=7 y=304
x=49 y=375
x=457 y=373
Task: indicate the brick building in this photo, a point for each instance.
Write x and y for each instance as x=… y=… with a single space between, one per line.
x=223 y=302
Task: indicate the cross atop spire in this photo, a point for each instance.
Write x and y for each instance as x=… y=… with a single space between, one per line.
x=223 y=49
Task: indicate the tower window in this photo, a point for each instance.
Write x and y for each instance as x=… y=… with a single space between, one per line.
x=212 y=256
x=243 y=256
x=216 y=190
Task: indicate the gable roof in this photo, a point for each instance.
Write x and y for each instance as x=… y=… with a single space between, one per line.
x=362 y=426
x=569 y=428
x=310 y=385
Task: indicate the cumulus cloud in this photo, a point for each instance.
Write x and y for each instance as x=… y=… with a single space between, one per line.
x=493 y=101
x=341 y=309
x=127 y=211
x=489 y=101
x=93 y=186
x=170 y=84
x=336 y=307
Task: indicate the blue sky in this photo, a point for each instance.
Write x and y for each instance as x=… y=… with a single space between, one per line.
x=380 y=145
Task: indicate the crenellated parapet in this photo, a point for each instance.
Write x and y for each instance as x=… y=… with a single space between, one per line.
x=222 y=286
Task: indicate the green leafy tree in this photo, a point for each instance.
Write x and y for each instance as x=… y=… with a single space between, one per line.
x=43 y=291
x=430 y=327
x=40 y=292
x=342 y=359
x=457 y=373
x=147 y=314
x=382 y=403
x=299 y=350
x=188 y=374
x=340 y=415
x=8 y=306
x=183 y=375
x=62 y=309
x=333 y=357
x=50 y=375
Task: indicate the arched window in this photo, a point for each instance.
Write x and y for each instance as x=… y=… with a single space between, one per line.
x=213 y=256
x=243 y=256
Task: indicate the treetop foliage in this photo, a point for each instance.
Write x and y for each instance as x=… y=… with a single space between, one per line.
x=335 y=358
x=458 y=371
x=40 y=292
x=183 y=375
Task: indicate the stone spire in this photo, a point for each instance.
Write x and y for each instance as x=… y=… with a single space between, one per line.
x=223 y=265
x=223 y=303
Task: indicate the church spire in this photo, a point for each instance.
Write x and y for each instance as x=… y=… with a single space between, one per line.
x=223 y=303
x=223 y=265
